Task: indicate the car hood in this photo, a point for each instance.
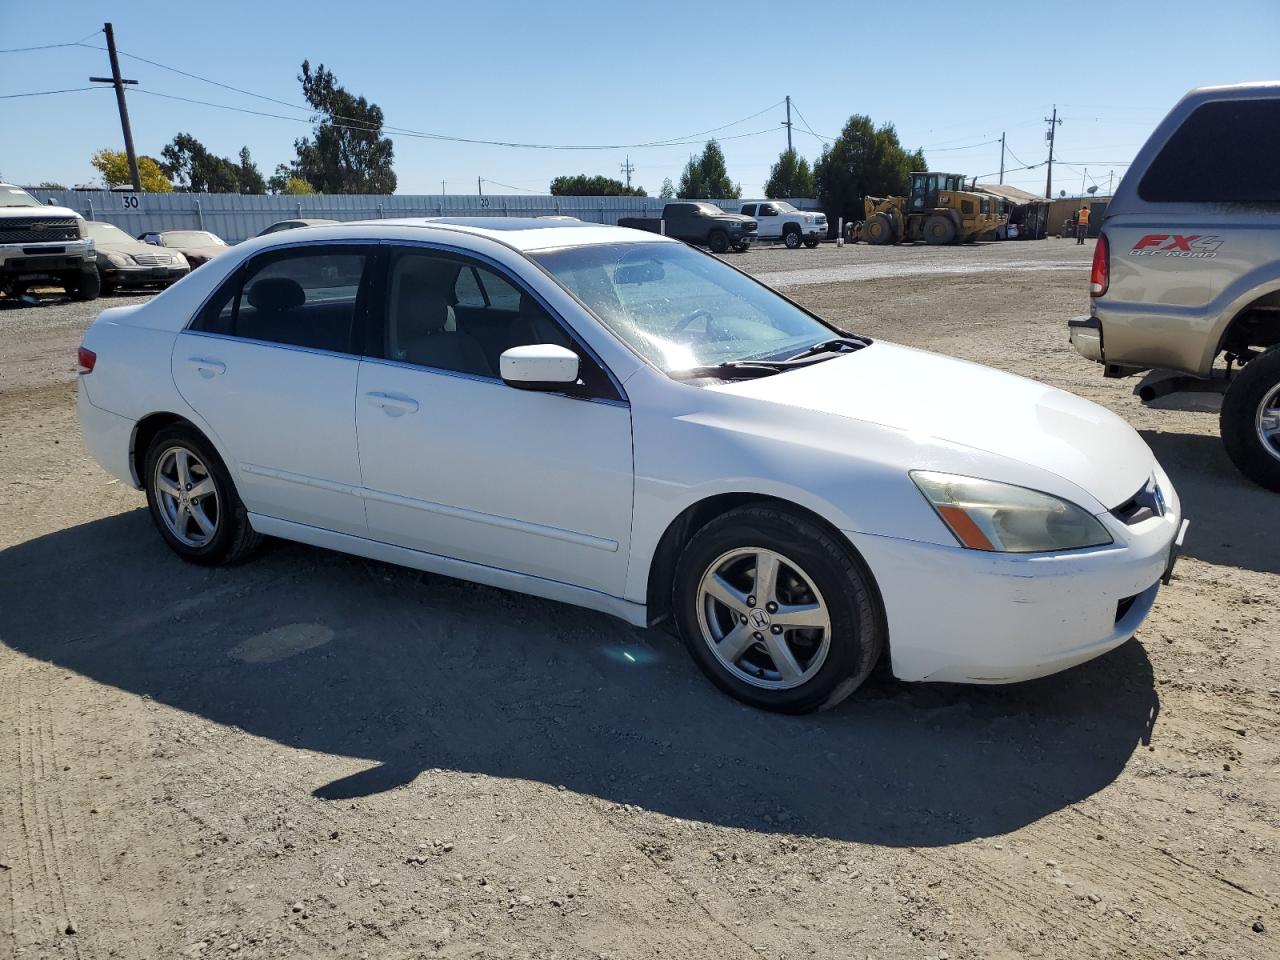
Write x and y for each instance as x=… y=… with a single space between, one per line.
x=22 y=213
x=928 y=395
x=207 y=253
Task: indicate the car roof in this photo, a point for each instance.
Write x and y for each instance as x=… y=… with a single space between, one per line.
x=521 y=233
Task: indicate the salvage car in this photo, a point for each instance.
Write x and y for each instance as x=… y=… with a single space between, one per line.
x=44 y=245
x=294 y=225
x=779 y=220
x=614 y=419
x=124 y=262
x=701 y=223
x=198 y=246
x=1186 y=270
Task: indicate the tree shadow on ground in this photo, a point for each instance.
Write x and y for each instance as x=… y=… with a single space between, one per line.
x=328 y=653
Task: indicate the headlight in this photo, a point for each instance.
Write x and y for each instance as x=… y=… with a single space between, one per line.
x=119 y=259
x=1000 y=517
x=808 y=220
x=82 y=228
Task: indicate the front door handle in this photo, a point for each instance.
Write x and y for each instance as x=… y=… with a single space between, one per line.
x=208 y=368
x=392 y=404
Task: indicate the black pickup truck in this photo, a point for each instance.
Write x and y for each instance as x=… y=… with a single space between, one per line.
x=699 y=222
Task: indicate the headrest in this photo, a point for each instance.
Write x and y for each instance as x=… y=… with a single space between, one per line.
x=276 y=293
x=421 y=305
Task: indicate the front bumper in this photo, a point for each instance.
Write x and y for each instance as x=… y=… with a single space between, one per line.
x=41 y=259
x=1086 y=337
x=965 y=616
x=140 y=276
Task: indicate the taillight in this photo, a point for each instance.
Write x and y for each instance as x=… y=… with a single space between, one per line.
x=1100 y=275
x=85 y=359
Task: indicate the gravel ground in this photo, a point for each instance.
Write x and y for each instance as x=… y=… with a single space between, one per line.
x=315 y=755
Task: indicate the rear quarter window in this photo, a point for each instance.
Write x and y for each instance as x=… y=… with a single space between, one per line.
x=1224 y=152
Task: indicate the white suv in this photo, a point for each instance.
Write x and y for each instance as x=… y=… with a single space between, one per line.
x=779 y=220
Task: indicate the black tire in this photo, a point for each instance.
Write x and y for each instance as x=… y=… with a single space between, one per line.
x=939 y=231
x=742 y=247
x=84 y=286
x=718 y=241
x=792 y=239
x=811 y=244
x=878 y=230
x=857 y=632
x=105 y=287
x=1257 y=384
x=233 y=539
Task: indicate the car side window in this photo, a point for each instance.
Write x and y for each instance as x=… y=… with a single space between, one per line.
x=1214 y=157
x=447 y=312
x=308 y=297
x=749 y=209
x=768 y=210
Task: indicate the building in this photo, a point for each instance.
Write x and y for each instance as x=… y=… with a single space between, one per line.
x=1027 y=211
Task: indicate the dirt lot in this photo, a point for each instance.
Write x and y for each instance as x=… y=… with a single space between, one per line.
x=316 y=755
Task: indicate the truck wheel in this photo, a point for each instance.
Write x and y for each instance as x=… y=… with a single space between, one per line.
x=811 y=244
x=718 y=241
x=878 y=230
x=1250 y=420
x=742 y=247
x=939 y=231
x=84 y=286
x=792 y=239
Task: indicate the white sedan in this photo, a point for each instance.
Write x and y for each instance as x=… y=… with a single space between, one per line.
x=613 y=419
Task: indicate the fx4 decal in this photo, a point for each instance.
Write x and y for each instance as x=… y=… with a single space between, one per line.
x=1191 y=245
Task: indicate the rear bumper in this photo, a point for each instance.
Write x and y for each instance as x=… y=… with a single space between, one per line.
x=1086 y=337
x=107 y=436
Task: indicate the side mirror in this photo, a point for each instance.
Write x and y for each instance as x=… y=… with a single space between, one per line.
x=539 y=366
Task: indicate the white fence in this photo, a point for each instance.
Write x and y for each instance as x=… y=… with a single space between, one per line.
x=234 y=217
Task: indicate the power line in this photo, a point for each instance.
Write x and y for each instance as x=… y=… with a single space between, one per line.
x=53 y=46
x=499 y=183
x=806 y=125
x=971 y=146
x=47 y=93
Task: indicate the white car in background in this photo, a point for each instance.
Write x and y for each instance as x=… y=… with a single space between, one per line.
x=613 y=419
x=779 y=220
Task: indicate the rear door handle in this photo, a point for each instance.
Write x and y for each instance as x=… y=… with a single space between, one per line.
x=208 y=368
x=392 y=404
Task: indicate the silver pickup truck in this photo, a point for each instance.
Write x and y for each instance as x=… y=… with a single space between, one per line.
x=42 y=245
x=1186 y=271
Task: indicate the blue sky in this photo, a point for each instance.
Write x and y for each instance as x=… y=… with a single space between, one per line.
x=573 y=73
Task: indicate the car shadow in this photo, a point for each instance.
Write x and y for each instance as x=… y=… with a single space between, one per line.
x=1234 y=522
x=351 y=658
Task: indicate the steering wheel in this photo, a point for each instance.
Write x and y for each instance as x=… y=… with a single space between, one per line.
x=682 y=324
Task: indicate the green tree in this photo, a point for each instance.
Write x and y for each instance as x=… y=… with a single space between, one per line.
x=582 y=185
x=347 y=152
x=865 y=160
x=668 y=190
x=197 y=170
x=296 y=186
x=114 y=167
x=790 y=177
x=705 y=176
x=51 y=185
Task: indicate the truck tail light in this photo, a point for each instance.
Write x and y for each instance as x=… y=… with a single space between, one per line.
x=1100 y=275
x=85 y=359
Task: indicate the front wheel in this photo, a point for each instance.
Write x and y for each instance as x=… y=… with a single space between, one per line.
x=718 y=241
x=86 y=285
x=742 y=247
x=811 y=244
x=792 y=239
x=193 y=502
x=1250 y=420
x=776 y=611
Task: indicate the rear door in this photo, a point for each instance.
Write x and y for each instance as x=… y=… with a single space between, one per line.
x=270 y=364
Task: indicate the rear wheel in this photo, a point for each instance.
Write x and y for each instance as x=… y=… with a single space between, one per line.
x=811 y=244
x=718 y=241
x=193 y=502
x=1250 y=420
x=792 y=239
x=742 y=247
x=939 y=230
x=878 y=230
x=775 y=611
x=86 y=285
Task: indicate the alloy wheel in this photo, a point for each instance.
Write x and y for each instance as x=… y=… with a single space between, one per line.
x=1268 y=421
x=187 y=496
x=763 y=618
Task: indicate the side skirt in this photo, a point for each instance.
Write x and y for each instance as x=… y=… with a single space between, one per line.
x=633 y=613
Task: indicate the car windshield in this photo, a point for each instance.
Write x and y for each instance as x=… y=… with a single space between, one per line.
x=190 y=238
x=784 y=207
x=682 y=309
x=106 y=233
x=13 y=197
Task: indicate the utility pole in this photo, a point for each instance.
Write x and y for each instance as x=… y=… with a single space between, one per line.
x=1053 y=123
x=787 y=124
x=1002 y=157
x=480 y=185
x=628 y=168
x=116 y=81
x=1110 y=174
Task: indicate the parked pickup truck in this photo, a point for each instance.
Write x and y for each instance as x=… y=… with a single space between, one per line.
x=779 y=220
x=699 y=222
x=42 y=245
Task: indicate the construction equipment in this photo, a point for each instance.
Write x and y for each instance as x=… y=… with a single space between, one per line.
x=937 y=210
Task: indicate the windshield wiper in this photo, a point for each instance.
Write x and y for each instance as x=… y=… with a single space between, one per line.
x=732 y=370
x=836 y=345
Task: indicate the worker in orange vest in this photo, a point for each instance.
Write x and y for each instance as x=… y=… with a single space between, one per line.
x=1082 y=224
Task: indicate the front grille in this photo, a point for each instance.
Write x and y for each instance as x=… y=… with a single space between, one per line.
x=152 y=259
x=39 y=230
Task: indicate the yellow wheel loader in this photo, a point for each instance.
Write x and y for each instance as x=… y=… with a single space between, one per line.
x=937 y=210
